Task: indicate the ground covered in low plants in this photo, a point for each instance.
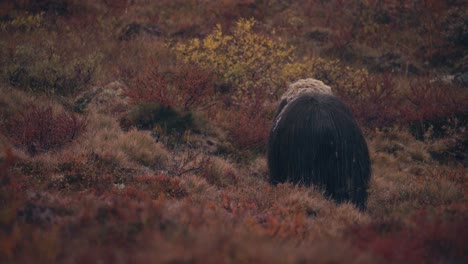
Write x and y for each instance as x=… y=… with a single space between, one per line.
x=135 y=131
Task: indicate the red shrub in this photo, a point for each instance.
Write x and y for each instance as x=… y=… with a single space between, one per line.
x=185 y=87
x=118 y=6
x=248 y=126
x=7 y=160
x=195 y=86
x=342 y=38
x=434 y=106
x=431 y=101
x=375 y=104
x=161 y=184
x=248 y=121
x=425 y=239
x=39 y=129
x=150 y=86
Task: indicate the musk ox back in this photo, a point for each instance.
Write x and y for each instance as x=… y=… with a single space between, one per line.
x=315 y=140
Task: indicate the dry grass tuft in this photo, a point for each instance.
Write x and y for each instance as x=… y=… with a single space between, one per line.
x=105 y=138
x=220 y=173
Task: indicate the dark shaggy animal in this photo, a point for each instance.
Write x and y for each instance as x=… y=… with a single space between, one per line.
x=315 y=140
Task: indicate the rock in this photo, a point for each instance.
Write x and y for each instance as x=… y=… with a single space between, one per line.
x=318 y=35
x=390 y=62
x=461 y=79
x=188 y=31
x=107 y=99
x=444 y=79
x=132 y=30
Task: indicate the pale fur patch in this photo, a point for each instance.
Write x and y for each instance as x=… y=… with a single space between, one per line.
x=305 y=85
x=299 y=87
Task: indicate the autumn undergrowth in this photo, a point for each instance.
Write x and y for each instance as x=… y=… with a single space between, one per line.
x=135 y=131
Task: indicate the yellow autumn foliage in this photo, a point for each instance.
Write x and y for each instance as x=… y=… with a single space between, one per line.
x=27 y=22
x=245 y=61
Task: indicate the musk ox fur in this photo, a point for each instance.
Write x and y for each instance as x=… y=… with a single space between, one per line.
x=315 y=140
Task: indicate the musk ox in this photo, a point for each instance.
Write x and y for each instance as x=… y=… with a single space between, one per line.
x=315 y=140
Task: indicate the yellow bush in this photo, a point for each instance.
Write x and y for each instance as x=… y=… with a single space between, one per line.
x=26 y=22
x=246 y=61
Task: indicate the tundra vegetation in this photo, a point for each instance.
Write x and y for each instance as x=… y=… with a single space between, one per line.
x=136 y=131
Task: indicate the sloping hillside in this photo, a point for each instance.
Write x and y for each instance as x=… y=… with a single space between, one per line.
x=135 y=131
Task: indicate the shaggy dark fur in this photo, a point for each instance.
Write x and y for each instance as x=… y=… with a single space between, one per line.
x=315 y=140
